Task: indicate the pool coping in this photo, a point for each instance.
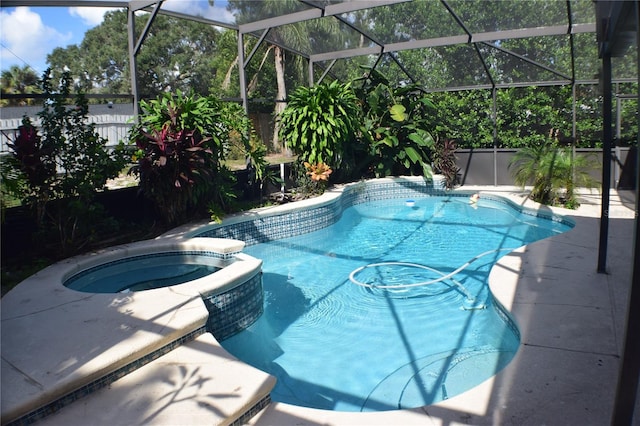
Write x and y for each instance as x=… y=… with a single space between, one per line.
x=91 y=339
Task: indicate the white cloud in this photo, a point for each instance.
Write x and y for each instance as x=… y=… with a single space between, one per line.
x=25 y=38
x=217 y=12
x=91 y=16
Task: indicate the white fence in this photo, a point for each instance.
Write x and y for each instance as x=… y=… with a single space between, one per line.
x=114 y=128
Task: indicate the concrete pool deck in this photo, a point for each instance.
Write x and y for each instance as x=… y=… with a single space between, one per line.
x=571 y=321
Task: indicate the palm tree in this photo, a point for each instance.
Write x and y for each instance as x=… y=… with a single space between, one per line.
x=554 y=172
x=19 y=80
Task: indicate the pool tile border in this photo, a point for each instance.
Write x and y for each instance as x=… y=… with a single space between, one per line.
x=292 y=220
x=234 y=310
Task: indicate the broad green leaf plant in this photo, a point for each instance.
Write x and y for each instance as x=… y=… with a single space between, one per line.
x=396 y=126
x=319 y=124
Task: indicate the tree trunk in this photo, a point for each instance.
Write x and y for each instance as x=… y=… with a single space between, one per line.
x=281 y=96
x=227 y=77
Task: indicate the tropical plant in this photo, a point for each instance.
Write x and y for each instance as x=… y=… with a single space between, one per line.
x=310 y=180
x=300 y=36
x=320 y=122
x=242 y=139
x=17 y=80
x=554 y=172
x=396 y=126
x=444 y=161
x=180 y=143
x=319 y=174
x=66 y=161
x=35 y=163
x=32 y=157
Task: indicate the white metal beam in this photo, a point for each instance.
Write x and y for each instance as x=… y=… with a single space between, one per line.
x=457 y=39
x=347 y=53
x=136 y=5
x=305 y=15
x=431 y=42
x=277 y=21
x=64 y=3
x=352 y=6
x=200 y=19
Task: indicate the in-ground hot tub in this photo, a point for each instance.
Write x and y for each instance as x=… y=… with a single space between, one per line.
x=152 y=266
x=147 y=272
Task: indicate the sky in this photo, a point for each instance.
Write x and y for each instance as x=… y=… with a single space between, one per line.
x=29 y=34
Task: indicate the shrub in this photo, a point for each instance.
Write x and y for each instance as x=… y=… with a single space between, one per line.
x=66 y=161
x=396 y=126
x=180 y=146
x=554 y=173
x=444 y=161
x=181 y=141
x=319 y=125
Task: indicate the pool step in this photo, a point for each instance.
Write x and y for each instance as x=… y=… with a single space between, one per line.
x=198 y=383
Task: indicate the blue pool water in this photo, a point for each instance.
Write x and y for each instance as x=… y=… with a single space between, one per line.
x=144 y=272
x=336 y=340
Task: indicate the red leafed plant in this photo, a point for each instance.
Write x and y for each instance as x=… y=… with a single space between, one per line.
x=177 y=155
x=179 y=149
x=31 y=154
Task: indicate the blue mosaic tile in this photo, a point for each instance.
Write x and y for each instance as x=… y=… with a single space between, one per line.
x=302 y=221
x=252 y=411
x=236 y=309
x=506 y=317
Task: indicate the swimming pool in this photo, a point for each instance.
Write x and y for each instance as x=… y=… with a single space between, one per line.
x=336 y=344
